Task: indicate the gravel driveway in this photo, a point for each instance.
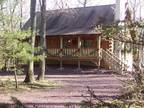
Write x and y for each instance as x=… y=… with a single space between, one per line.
x=71 y=89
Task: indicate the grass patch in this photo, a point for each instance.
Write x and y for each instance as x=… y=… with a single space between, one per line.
x=7 y=84
x=41 y=84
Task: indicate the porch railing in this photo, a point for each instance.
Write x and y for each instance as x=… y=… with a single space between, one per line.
x=113 y=62
x=73 y=52
x=109 y=58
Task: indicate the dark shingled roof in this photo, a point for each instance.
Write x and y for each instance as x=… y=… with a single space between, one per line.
x=76 y=20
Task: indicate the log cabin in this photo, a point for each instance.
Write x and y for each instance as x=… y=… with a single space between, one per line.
x=73 y=36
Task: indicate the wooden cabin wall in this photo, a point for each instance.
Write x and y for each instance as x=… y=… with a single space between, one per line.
x=51 y=42
x=105 y=44
x=54 y=42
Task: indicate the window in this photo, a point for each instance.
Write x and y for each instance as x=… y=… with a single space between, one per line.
x=86 y=43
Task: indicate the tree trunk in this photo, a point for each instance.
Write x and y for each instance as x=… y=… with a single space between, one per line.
x=16 y=80
x=85 y=3
x=15 y=74
x=42 y=40
x=30 y=74
x=21 y=13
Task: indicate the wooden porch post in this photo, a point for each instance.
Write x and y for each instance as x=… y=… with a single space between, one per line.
x=99 y=50
x=61 y=47
x=79 y=46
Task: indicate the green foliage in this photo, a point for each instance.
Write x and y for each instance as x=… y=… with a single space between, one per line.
x=14 y=46
x=124 y=31
x=111 y=30
x=15 y=50
x=2 y=1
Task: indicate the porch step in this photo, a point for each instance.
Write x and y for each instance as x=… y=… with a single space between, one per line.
x=113 y=62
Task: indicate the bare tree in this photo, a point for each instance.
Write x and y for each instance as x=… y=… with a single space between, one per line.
x=61 y=4
x=42 y=39
x=135 y=31
x=30 y=74
x=135 y=6
x=84 y=2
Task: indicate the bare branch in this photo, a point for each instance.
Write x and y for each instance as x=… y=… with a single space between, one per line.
x=84 y=2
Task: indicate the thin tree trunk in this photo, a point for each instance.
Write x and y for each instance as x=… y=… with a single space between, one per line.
x=85 y=3
x=16 y=80
x=42 y=40
x=21 y=13
x=15 y=74
x=30 y=74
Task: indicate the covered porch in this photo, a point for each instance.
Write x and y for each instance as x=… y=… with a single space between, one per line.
x=82 y=48
x=75 y=48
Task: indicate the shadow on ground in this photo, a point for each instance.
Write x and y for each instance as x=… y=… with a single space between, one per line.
x=66 y=70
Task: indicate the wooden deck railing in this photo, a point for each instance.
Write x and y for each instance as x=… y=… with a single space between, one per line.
x=70 y=52
x=53 y=52
x=88 y=52
x=113 y=61
x=73 y=52
x=109 y=58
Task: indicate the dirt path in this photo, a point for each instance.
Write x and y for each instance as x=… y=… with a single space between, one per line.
x=71 y=89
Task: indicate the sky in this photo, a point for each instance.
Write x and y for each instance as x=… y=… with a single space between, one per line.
x=58 y=4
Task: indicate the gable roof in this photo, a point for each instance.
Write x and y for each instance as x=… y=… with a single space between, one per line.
x=76 y=20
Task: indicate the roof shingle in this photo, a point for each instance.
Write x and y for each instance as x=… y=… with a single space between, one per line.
x=76 y=20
